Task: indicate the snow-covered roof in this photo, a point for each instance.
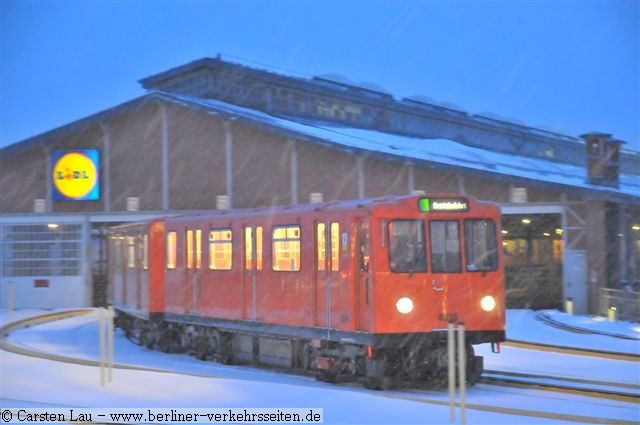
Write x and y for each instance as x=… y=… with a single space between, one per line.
x=436 y=152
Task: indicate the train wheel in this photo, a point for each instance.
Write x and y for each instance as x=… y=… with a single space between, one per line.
x=169 y=341
x=202 y=349
x=148 y=335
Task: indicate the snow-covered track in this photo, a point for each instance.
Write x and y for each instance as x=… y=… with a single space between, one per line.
x=418 y=396
x=546 y=318
x=612 y=355
x=28 y=322
x=587 y=387
x=568 y=417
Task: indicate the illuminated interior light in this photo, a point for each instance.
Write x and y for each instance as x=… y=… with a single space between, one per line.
x=547 y=234
x=488 y=303
x=636 y=227
x=505 y=232
x=526 y=221
x=404 y=305
x=559 y=231
x=504 y=244
x=52 y=225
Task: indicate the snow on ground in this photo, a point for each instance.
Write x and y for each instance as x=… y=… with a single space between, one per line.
x=524 y=325
x=597 y=324
x=28 y=381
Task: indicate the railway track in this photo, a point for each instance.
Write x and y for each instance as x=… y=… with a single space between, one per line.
x=591 y=388
x=545 y=317
x=598 y=389
x=572 y=350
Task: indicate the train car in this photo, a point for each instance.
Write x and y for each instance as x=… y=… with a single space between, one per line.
x=136 y=284
x=357 y=290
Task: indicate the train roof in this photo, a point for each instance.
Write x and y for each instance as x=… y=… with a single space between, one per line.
x=332 y=206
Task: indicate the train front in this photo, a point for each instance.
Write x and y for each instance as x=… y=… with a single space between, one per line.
x=438 y=262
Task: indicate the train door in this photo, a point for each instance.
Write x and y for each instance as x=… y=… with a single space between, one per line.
x=449 y=291
x=251 y=268
x=362 y=275
x=327 y=273
x=193 y=260
x=138 y=270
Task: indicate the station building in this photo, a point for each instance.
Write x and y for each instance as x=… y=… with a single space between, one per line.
x=213 y=134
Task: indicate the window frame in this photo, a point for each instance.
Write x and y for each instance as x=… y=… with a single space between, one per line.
x=460 y=262
x=387 y=234
x=210 y=242
x=286 y=239
x=466 y=246
x=173 y=254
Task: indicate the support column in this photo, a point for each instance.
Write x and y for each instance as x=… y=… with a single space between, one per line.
x=462 y=190
x=361 y=179
x=165 y=157
x=411 y=180
x=47 y=178
x=106 y=167
x=228 y=164
x=294 y=172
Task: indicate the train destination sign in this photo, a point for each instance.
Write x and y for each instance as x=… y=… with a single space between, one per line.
x=443 y=204
x=75 y=175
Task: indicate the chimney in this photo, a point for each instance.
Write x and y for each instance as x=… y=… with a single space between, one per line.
x=603 y=159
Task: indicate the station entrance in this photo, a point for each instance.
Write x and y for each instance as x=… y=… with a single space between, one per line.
x=533 y=251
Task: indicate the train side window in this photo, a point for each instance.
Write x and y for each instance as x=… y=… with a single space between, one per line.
x=198 y=249
x=363 y=249
x=171 y=249
x=220 y=249
x=248 y=248
x=321 y=244
x=407 y=250
x=445 y=246
x=145 y=251
x=286 y=248
x=480 y=245
x=131 y=252
x=189 y=248
x=259 y=248
x=335 y=247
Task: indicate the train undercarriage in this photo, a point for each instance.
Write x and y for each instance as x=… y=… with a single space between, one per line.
x=412 y=360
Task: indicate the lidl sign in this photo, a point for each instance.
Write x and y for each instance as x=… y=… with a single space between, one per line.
x=75 y=175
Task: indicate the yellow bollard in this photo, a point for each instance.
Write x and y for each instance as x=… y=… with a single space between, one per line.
x=612 y=314
x=569 y=306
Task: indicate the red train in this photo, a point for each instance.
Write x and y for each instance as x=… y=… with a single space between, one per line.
x=356 y=290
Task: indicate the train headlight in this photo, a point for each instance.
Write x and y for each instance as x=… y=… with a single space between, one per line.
x=488 y=303
x=404 y=305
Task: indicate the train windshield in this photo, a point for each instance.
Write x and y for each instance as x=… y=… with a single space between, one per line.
x=407 y=248
x=481 y=247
